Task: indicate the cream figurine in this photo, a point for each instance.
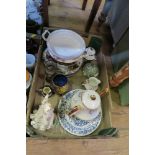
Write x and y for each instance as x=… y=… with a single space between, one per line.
x=91 y=83
x=42 y=119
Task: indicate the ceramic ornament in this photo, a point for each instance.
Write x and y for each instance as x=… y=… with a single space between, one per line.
x=90 y=70
x=42 y=119
x=90 y=54
x=91 y=83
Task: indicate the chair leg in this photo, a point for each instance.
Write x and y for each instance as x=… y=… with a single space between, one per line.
x=45 y=12
x=92 y=15
x=84 y=4
x=101 y=19
x=48 y=2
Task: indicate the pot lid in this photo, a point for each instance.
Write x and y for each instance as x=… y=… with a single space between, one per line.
x=91 y=99
x=65 y=44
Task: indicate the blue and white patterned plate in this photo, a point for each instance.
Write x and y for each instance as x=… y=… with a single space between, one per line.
x=75 y=125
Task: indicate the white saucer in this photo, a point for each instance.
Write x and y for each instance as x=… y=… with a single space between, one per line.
x=74 y=125
x=84 y=114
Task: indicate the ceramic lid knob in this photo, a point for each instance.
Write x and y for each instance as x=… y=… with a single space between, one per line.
x=91 y=99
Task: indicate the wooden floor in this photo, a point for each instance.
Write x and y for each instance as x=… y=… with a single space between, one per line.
x=68 y=14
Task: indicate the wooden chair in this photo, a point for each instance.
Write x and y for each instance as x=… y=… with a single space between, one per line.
x=90 y=19
x=44 y=12
x=84 y=4
x=93 y=13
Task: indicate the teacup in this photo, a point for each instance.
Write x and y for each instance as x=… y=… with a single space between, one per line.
x=87 y=103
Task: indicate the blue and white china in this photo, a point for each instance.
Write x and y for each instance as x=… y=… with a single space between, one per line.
x=74 y=125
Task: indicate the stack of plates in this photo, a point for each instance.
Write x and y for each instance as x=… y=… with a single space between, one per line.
x=65 y=45
x=78 y=126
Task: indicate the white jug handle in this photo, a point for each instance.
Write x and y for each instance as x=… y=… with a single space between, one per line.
x=44 y=33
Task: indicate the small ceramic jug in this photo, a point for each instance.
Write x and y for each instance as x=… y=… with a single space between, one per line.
x=91 y=83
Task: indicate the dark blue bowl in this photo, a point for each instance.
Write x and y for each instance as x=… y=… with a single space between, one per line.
x=60 y=80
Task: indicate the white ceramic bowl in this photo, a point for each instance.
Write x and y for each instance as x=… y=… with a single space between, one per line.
x=30 y=61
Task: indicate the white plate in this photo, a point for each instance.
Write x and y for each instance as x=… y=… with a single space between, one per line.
x=64 y=60
x=84 y=114
x=65 y=44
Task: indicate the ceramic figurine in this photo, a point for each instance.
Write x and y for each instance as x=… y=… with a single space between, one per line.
x=90 y=54
x=42 y=119
x=91 y=83
x=90 y=70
